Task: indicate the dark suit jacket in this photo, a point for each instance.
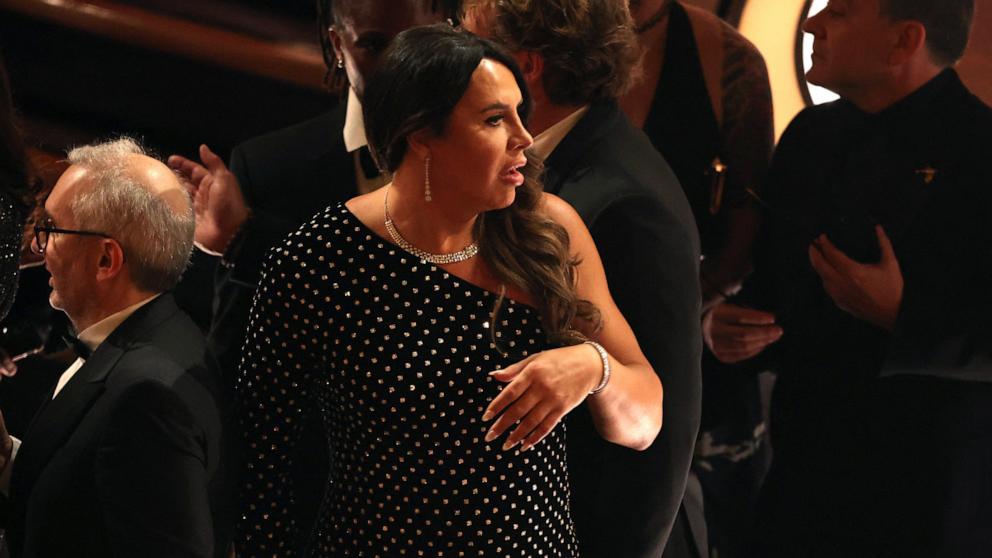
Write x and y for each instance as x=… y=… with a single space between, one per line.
x=882 y=440
x=286 y=176
x=624 y=501
x=133 y=458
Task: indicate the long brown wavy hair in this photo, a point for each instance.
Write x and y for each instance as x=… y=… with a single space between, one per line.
x=524 y=247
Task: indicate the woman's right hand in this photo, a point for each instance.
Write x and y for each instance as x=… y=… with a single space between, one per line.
x=540 y=391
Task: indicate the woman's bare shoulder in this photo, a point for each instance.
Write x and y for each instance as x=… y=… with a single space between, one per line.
x=367 y=208
x=561 y=212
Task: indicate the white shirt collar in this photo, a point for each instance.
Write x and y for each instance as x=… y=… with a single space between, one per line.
x=354 y=124
x=98 y=332
x=546 y=142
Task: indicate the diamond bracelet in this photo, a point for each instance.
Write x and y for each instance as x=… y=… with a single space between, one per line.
x=606 y=366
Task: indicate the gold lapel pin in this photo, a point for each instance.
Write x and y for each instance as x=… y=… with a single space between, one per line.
x=928 y=173
x=718 y=175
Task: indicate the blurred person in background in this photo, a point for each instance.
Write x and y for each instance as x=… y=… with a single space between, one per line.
x=18 y=193
x=705 y=101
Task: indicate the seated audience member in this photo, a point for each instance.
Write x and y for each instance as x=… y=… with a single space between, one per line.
x=578 y=57
x=441 y=327
x=279 y=180
x=132 y=454
x=874 y=282
x=705 y=102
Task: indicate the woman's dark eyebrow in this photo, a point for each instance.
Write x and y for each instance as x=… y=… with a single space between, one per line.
x=495 y=106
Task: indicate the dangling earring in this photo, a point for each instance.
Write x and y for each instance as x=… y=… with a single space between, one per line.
x=340 y=63
x=427 y=178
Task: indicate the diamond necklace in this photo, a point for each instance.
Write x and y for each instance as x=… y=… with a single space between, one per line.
x=437 y=259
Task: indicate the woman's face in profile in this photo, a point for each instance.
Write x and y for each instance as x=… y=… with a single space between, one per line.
x=475 y=163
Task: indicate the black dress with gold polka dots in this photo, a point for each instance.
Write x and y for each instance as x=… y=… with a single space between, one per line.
x=394 y=353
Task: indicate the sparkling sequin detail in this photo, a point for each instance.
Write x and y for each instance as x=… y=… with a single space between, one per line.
x=394 y=354
x=11 y=232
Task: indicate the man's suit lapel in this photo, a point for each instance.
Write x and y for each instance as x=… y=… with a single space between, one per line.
x=59 y=417
x=566 y=160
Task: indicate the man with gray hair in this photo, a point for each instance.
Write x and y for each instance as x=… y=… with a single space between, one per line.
x=131 y=454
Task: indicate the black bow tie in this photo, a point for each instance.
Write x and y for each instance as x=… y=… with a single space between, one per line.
x=81 y=349
x=369 y=168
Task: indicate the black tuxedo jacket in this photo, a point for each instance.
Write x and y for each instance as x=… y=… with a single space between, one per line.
x=134 y=455
x=624 y=501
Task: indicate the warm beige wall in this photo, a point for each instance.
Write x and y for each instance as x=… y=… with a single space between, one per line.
x=976 y=66
x=771 y=26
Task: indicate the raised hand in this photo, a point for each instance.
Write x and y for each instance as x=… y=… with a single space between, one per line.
x=871 y=292
x=734 y=333
x=219 y=206
x=541 y=390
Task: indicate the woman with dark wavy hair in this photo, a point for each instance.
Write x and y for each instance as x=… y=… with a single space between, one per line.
x=442 y=326
x=18 y=189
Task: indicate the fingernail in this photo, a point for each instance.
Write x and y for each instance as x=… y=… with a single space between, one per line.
x=525 y=447
x=508 y=445
x=495 y=371
x=490 y=436
x=488 y=415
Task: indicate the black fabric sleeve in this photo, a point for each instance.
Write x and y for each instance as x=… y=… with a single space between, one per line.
x=651 y=260
x=944 y=328
x=151 y=477
x=274 y=386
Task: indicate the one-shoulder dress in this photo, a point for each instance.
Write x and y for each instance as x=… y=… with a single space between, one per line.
x=394 y=353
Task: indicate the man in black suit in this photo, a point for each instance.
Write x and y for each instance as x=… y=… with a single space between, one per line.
x=871 y=296
x=578 y=57
x=131 y=454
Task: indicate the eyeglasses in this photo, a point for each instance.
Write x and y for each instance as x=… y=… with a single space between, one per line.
x=41 y=233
